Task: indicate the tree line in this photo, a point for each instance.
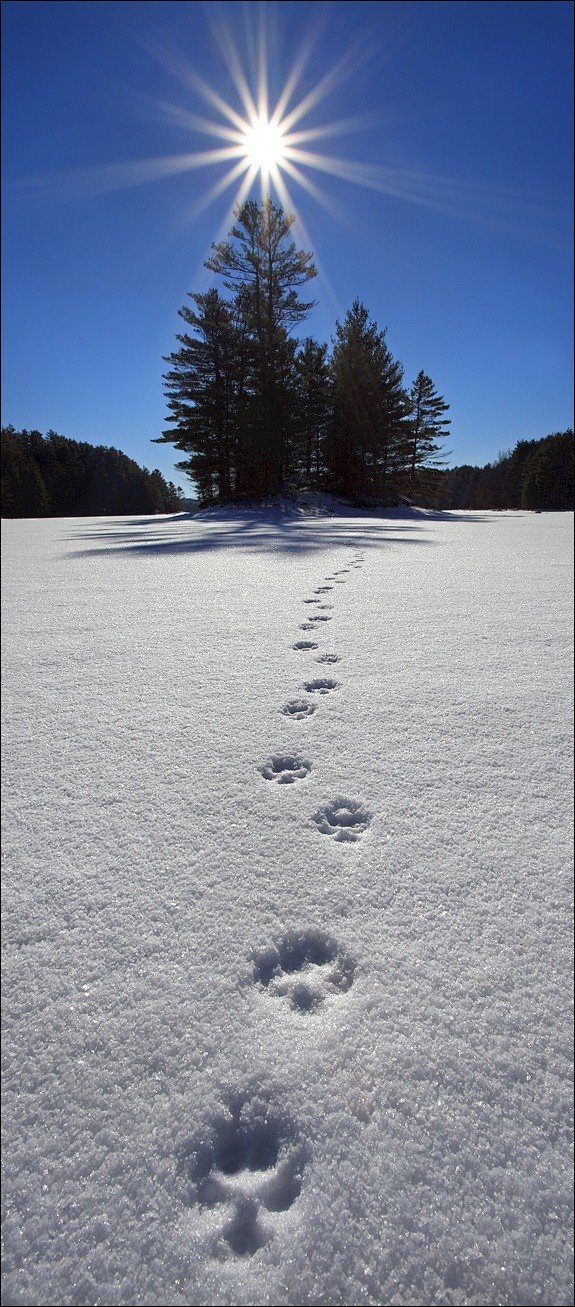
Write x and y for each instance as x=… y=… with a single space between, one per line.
x=52 y=476
x=536 y=475
x=257 y=412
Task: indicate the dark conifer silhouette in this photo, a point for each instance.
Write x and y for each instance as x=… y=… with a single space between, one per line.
x=264 y=270
x=367 y=448
x=427 y=430
x=536 y=474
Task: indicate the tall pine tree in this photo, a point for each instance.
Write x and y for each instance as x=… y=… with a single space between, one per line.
x=264 y=270
x=203 y=389
x=313 y=408
x=427 y=430
x=366 y=449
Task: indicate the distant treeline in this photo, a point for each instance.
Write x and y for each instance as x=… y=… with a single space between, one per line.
x=52 y=476
x=536 y=474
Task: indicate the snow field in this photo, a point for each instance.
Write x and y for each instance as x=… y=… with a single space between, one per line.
x=250 y=1059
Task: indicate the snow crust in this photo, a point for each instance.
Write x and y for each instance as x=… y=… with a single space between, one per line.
x=286 y=989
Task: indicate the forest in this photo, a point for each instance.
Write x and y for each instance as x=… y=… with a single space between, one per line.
x=52 y=476
x=536 y=474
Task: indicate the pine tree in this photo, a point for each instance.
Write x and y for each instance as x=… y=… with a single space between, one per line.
x=313 y=408
x=366 y=448
x=427 y=429
x=203 y=388
x=264 y=271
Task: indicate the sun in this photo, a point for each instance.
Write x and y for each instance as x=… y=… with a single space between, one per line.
x=264 y=145
x=262 y=140
x=257 y=140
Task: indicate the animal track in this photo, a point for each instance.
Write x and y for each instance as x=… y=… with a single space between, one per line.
x=322 y=606
x=323 y=589
x=285 y=768
x=343 y=819
x=311 y=601
x=306 y=967
x=305 y=644
x=298 y=708
x=306 y=626
x=321 y=685
x=327 y=658
x=250 y=1161
x=318 y=617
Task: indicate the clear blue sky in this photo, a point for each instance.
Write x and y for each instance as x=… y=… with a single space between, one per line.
x=459 y=243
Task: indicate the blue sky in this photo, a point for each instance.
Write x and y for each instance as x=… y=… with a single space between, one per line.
x=442 y=201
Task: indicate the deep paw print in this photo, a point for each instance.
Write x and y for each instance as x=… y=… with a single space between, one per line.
x=305 y=644
x=306 y=626
x=343 y=819
x=317 y=617
x=323 y=589
x=285 y=768
x=298 y=709
x=250 y=1162
x=305 y=967
x=311 y=601
x=321 y=685
x=328 y=658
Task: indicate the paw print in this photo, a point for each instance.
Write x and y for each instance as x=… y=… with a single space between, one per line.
x=305 y=967
x=248 y=1164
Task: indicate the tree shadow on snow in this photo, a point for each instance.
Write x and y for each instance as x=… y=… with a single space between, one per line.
x=262 y=529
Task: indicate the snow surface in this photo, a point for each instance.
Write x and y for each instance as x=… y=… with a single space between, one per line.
x=286 y=990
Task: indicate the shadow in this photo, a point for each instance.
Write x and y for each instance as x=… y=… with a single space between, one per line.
x=290 y=530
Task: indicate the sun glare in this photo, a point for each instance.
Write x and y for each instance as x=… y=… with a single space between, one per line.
x=253 y=141
x=265 y=142
x=264 y=145
x=260 y=141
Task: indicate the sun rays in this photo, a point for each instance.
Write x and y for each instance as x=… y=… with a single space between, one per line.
x=262 y=143
x=272 y=140
x=254 y=143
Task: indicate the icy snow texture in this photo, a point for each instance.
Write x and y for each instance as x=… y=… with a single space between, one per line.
x=247 y=1062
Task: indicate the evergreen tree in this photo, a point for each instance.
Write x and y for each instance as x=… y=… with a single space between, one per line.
x=263 y=269
x=203 y=388
x=367 y=444
x=313 y=408
x=427 y=429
